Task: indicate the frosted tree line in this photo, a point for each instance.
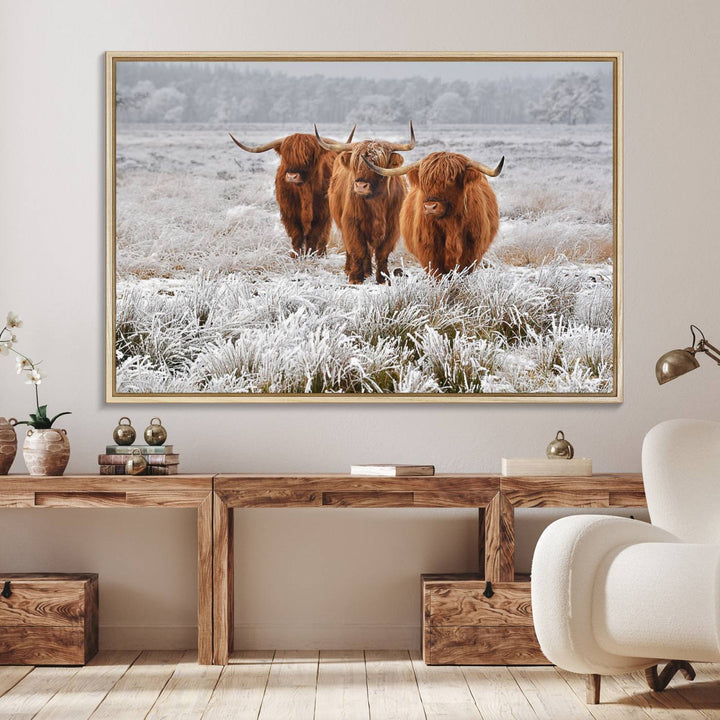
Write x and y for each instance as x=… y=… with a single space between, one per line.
x=201 y=93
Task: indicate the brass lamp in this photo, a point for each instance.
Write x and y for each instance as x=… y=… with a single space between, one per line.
x=677 y=362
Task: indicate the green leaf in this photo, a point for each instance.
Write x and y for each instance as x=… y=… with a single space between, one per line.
x=42 y=411
x=67 y=412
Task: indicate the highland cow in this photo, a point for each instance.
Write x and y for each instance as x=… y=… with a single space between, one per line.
x=450 y=216
x=301 y=187
x=365 y=207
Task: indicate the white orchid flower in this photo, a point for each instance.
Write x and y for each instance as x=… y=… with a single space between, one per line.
x=23 y=364
x=35 y=377
x=28 y=370
x=13 y=320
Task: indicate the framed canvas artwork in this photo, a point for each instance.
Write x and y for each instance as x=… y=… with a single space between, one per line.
x=364 y=228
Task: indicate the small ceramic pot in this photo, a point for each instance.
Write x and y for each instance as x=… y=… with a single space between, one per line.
x=46 y=451
x=8 y=444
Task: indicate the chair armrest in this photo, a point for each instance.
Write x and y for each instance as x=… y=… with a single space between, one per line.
x=658 y=599
x=565 y=563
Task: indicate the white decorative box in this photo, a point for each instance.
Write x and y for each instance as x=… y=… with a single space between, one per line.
x=547 y=466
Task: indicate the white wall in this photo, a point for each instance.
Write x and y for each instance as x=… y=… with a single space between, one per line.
x=331 y=578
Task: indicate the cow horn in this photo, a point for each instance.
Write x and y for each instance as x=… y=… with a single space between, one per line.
x=408 y=145
x=390 y=172
x=258 y=148
x=485 y=169
x=334 y=145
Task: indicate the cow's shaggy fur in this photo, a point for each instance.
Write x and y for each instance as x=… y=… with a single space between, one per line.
x=450 y=216
x=366 y=208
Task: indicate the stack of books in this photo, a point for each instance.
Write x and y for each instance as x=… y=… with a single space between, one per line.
x=161 y=459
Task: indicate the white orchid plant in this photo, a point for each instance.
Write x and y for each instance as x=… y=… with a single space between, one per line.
x=29 y=369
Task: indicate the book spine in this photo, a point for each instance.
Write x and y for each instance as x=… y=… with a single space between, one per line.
x=415 y=472
x=162 y=470
x=112 y=469
x=173 y=459
x=144 y=449
x=149 y=470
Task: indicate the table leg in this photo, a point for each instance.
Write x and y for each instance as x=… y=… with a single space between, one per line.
x=499 y=540
x=205 y=580
x=223 y=581
x=481 y=541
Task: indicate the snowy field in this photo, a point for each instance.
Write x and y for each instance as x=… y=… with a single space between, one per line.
x=210 y=301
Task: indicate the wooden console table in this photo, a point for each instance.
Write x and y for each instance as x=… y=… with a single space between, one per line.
x=215 y=497
x=92 y=491
x=495 y=497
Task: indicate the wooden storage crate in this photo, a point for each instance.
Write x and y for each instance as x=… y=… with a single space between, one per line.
x=48 y=618
x=461 y=626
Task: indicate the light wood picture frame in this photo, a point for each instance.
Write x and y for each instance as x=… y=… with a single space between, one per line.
x=246 y=265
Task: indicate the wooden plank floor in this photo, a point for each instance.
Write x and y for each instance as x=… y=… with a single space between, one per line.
x=344 y=685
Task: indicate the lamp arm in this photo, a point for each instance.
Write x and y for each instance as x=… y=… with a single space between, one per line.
x=710 y=350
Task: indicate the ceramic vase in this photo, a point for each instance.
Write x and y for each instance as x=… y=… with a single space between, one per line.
x=46 y=451
x=8 y=445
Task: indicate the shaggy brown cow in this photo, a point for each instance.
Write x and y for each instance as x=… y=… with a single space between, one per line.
x=301 y=187
x=450 y=215
x=365 y=207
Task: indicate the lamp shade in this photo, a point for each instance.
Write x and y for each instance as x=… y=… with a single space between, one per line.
x=675 y=363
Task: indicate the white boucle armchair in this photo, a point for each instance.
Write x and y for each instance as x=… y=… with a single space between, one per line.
x=613 y=595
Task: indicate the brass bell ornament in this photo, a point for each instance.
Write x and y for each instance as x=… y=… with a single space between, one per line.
x=155 y=433
x=560 y=448
x=124 y=433
x=136 y=463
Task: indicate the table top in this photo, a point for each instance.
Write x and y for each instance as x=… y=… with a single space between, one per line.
x=93 y=482
x=24 y=491
x=323 y=490
x=443 y=490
